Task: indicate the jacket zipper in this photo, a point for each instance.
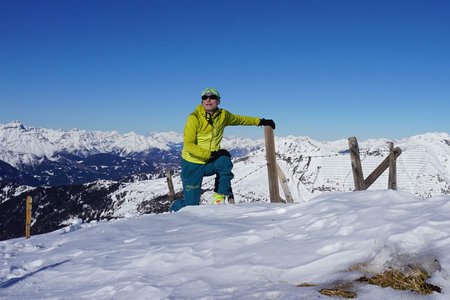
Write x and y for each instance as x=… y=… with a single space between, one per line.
x=210 y=122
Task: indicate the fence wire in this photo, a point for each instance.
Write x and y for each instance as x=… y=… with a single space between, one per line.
x=415 y=173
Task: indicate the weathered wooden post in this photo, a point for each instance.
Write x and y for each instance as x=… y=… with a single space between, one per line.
x=284 y=185
x=271 y=164
x=392 y=181
x=358 y=176
x=170 y=184
x=28 y=217
x=381 y=168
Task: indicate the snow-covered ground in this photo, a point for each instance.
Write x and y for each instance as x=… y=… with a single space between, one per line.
x=244 y=251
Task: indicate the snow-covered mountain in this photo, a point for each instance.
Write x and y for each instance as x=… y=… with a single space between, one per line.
x=131 y=180
x=43 y=142
x=21 y=144
x=58 y=157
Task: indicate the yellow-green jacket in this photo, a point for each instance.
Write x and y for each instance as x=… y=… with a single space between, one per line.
x=203 y=132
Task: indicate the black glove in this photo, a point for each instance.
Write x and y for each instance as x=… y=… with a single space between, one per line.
x=269 y=122
x=216 y=154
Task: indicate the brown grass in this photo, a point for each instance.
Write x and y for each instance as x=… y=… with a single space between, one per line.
x=411 y=277
x=338 y=293
x=414 y=280
x=305 y=284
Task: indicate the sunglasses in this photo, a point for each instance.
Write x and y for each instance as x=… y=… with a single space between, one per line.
x=212 y=97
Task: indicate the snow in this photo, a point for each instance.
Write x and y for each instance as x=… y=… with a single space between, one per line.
x=133 y=194
x=243 y=251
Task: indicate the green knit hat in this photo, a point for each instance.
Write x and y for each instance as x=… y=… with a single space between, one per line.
x=210 y=91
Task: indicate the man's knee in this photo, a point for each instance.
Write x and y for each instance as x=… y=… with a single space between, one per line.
x=223 y=162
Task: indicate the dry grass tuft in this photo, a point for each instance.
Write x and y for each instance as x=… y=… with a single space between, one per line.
x=410 y=277
x=413 y=280
x=338 y=293
x=305 y=284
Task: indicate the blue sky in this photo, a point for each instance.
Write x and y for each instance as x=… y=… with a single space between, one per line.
x=328 y=69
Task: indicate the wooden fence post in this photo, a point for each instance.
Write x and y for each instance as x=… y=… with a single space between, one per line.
x=284 y=185
x=171 y=189
x=358 y=176
x=28 y=217
x=271 y=164
x=392 y=181
x=380 y=169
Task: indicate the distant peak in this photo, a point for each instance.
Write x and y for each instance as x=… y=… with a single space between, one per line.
x=15 y=124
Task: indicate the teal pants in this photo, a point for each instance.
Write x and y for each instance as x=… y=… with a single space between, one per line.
x=192 y=177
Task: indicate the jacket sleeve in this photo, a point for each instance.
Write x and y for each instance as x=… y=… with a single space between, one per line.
x=190 y=140
x=237 y=120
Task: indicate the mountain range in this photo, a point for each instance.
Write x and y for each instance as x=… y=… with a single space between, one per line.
x=94 y=175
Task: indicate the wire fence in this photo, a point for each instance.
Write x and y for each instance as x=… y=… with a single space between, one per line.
x=415 y=173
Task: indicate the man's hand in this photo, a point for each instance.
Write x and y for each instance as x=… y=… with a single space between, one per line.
x=216 y=154
x=268 y=122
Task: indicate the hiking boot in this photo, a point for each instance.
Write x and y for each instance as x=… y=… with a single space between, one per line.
x=218 y=198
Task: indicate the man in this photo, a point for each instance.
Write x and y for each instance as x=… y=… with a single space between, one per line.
x=201 y=154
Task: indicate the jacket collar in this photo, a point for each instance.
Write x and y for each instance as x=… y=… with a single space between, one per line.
x=200 y=109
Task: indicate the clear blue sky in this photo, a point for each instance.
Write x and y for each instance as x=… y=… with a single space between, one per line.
x=328 y=69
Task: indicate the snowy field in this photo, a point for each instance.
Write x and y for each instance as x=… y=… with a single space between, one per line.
x=244 y=251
